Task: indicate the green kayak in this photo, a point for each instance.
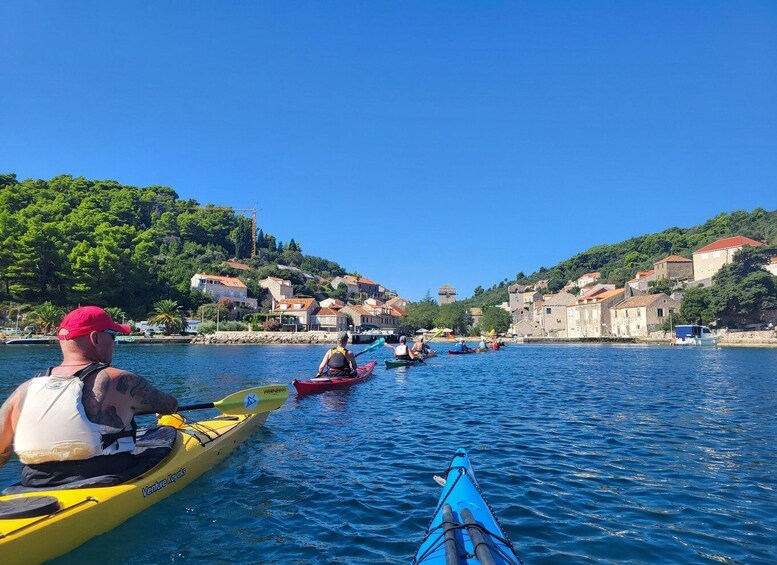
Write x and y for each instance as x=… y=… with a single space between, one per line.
x=391 y=364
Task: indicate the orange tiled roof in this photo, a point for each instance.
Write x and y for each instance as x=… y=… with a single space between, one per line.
x=397 y=311
x=239 y=266
x=226 y=281
x=329 y=312
x=600 y=297
x=727 y=242
x=674 y=259
x=306 y=302
x=594 y=274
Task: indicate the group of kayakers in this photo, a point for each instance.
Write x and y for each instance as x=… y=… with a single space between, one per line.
x=76 y=421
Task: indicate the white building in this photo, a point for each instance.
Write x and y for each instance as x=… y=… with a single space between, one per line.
x=223 y=287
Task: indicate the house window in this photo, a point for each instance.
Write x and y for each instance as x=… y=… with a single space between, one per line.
x=660 y=312
x=547 y=310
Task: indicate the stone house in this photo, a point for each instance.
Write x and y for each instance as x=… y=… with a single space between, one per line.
x=333 y=303
x=553 y=319
x=278 y=288
x=526 y=328
x=514 y=296
x=223 y=287
x=446 y=294
x=352 y=289
x=362 y=318
x=588 y=278
x=589 y=316
x=328 y=319
x=709 y=259
x=398 y=301
x=638 y=316
x=477 y=314
x=674 y=268
x=296 y=313
x=641 y=280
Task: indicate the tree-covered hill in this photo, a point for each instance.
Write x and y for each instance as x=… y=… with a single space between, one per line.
x=620 y=262
x=73 y=240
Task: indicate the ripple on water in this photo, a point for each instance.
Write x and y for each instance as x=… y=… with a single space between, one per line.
x=588 y=454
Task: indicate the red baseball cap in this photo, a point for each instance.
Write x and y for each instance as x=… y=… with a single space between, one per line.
x=88 y=319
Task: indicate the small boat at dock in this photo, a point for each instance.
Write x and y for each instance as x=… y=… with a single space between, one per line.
x=694 y=335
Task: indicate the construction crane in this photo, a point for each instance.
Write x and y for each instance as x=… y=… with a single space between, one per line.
x=233 y=209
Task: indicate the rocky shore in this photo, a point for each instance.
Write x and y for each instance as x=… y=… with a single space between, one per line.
x=727 y=339
x=268 y=338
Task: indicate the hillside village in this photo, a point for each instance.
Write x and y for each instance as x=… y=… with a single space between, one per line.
x=584 y=308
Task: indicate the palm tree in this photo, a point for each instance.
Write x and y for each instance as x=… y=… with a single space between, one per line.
x=47 y=316
x=117 y=314
x=167 y=313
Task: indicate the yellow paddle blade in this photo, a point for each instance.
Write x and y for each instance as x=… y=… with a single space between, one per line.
x=254 y=400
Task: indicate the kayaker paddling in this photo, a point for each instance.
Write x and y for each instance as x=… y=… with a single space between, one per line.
x=402 y=352
x=419 y=347
x=339 y=362
x=76 y=420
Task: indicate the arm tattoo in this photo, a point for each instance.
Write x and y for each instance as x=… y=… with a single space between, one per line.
x=95 y=406
x=144 y=395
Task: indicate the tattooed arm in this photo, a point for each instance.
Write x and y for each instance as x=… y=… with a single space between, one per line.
x=143 y=396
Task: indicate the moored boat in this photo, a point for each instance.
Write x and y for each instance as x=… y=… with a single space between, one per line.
x=694 y=335
x=40 y=524
x=464 y=529
x=323 y=384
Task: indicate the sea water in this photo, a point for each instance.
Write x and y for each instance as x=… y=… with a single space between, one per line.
x=588 y=454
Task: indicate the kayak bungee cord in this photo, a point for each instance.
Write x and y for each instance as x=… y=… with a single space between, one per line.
x=449 y=525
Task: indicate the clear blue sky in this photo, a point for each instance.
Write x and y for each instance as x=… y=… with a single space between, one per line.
x=419 y=143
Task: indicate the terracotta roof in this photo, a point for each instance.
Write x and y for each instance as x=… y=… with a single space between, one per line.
x=365 y=280
x=329 y=312
x=600 y=297
x=279 y=280
x=361 y=310
x=397 y=311
x=728 y=242
x=226 y=281
x=641 y=300
x=594 y=274
x=306 y=302
x=239 y=266
x=674 y=259
x=476 y=311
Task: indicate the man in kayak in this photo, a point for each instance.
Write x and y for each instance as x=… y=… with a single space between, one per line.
x=76 y=420
x=402 y=352
x=338 y=362
x=460 y=345
x=419 y=347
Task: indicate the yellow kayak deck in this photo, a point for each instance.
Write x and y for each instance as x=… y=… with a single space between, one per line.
x=87 y=512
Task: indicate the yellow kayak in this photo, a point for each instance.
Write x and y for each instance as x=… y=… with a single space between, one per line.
x=71 y=517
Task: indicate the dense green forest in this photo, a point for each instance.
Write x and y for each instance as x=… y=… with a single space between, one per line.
x=72 y=240
x=620 y=262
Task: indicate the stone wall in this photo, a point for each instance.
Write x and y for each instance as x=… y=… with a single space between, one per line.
x=279 y=338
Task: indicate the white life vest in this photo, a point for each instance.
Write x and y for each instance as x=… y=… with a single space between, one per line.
x=401 y=351
x=53 y=425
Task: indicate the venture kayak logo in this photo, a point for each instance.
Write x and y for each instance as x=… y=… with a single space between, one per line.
x=250 y=401
x=159 y=485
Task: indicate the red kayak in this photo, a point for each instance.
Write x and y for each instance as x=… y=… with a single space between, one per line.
x=316 y=385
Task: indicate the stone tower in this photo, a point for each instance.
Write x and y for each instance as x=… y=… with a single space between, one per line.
x=446 y=294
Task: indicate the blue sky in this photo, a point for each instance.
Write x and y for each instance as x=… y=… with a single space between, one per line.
x=418 y=143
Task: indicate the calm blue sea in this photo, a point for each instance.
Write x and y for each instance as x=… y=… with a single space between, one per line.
x=588 y=454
